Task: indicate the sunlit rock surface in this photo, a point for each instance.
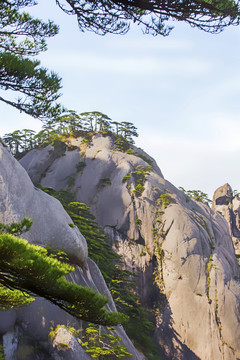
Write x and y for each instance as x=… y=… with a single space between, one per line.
x=181 y=250
x=227 y=203
x=19 y=198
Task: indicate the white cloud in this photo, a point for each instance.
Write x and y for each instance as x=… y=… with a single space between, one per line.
x=223 y=138
x=133 y=65
x=152 y=44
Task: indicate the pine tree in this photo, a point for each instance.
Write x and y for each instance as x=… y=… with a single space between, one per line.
x=116 y=16
x=21 y=37
x=27 y=270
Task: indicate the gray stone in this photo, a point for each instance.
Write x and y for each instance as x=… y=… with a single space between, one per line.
x=66 y=347
x=190 y=254
x=7 y=320
x=228 y=205
x=19 y=198
x=10 y=344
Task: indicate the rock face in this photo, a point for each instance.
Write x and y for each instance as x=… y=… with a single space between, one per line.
x=19 y=198
x=179 y=244
x=24 y=331
x=228 y=205
x=66 y=347
x=181 y=250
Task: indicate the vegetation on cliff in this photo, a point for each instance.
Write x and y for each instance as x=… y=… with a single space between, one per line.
x=21 y=38
x=70 y=124
x=121 y=283
x=27 y=270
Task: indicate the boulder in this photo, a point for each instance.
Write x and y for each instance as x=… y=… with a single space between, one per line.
x=66 y=347
x=228 y=205
x=51 y=224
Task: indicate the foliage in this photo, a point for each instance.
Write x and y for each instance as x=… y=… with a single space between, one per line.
x=165 y=200
x=124 y=138
x=80 y=166
x=126 y=178
x=30 y=269
x=2 y=355
x=60 y=128
x=139 y=188
x=130 y=152
x=53 y=332
x=128 y=130
x=10 y=298
x=98 y=248
x=145 y=158
x=197 y=195
x=96 y=121
x=139 y=328
x=22 y=36
x=71 y=180
x=208 y=270
x=58 y=143
x=121 y=144
x=102 y=345
x=115 y=17
x=16 y=228
x=138 y=222
x=98 y=341
x=139 y=175
x=120 y=282
x=103 y=183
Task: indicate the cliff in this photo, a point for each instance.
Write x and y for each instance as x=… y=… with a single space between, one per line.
x=25 y=331
x=180 y=249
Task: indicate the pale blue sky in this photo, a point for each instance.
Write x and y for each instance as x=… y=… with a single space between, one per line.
x=181 y=92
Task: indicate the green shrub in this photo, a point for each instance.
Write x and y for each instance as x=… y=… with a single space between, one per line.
x=80 y=166
x=16 y=228
x=72 y=147
x=121 y=144
x=58 y=143
x=71 y=180
x=165 y=200
x=208 y=271
x=103 y=346
x=103 y=183
x=142 y=253
x=126 y=178
x=130 y=152
x=145 y=158
x=139 y=176
x=87 y=139
x=138 y=190
x=2 y=355
x=197 y=195
x=121 y=282
x=138 y=222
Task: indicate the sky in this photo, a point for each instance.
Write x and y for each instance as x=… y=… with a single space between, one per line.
x=181 y=92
